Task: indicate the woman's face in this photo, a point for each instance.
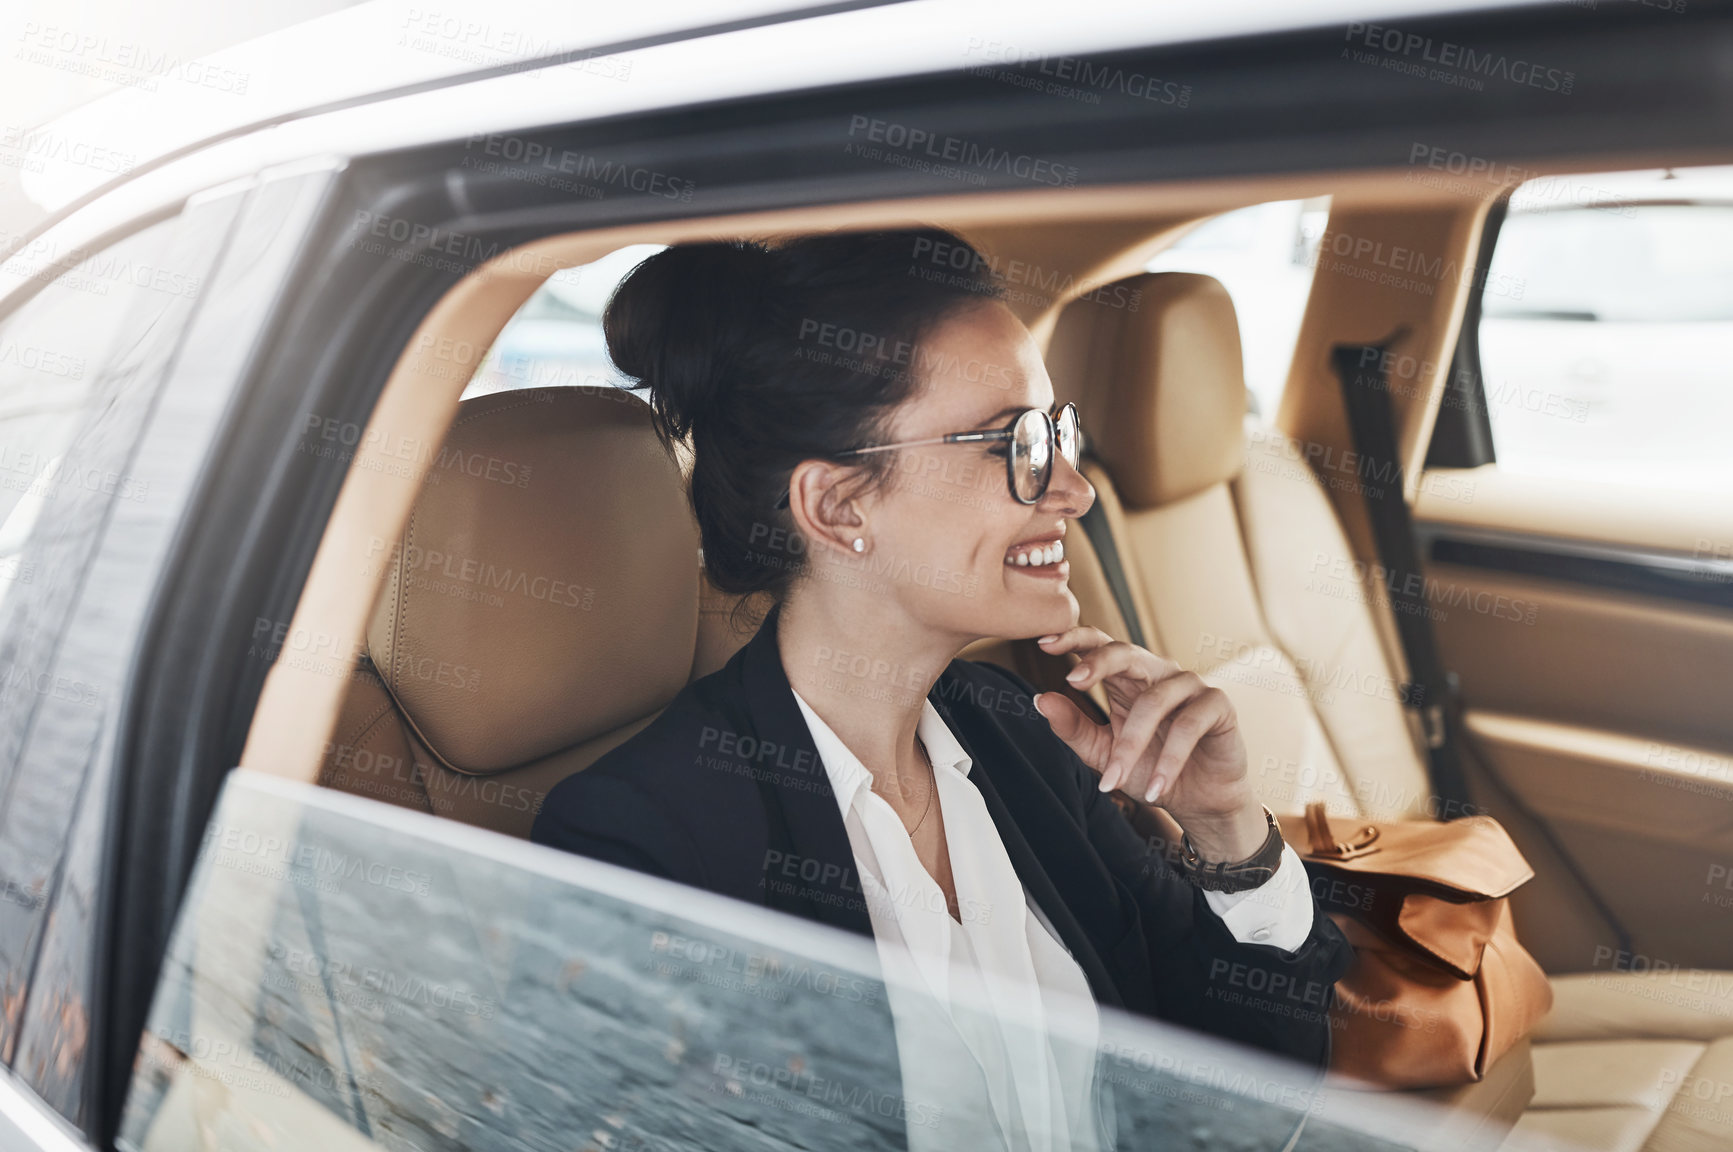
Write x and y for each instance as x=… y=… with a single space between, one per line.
x=948 y=539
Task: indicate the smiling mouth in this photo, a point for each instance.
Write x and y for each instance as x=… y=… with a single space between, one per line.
x=1044 y=555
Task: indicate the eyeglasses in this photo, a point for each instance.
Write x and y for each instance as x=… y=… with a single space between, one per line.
x=1031 y=436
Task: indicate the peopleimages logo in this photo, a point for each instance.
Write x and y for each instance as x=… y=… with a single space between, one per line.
x=423 y=565
x=1369 y=258
x=42 y=361
x=121 y=61
x=964 y=266
x=31 y=149
x=1070 y=76
x=402 y=987
x=534 y=156
x=764 y=966
x=1458 y=64
x=956 y=151
x=849 y=1099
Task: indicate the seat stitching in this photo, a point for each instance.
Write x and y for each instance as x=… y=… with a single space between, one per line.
x=580 y=389
x=385 y=710
x=462 y=420
x=359 y=734
x=402 y=597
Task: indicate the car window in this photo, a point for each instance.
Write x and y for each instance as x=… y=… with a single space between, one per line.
x=1607 y=350
x=1264 y=256
x=346 y=975
x=81 y=365
x=555 y=340
x=163 y=369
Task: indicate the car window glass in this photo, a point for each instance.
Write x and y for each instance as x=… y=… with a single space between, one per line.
x=61 y=794
x=1264 y=256
x=81 y=364
x=555 y=340
x=58 y=365
x=345 y=974
x=1606 y=338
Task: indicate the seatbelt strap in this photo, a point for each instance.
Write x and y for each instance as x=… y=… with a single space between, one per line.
x=1100 y=535
x=1430 y=693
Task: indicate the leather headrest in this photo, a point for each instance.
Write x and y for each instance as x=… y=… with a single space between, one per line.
x=1155 y=366
x=545 y=589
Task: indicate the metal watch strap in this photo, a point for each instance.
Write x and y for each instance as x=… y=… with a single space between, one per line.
x=1235 y=876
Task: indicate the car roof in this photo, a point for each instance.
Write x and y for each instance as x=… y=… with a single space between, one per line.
x=353 y=54
x=387 y=48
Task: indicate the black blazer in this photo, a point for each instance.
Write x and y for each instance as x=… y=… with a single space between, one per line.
x=725 y=791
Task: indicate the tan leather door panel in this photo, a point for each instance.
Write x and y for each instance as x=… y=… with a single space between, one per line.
x=1595 y=651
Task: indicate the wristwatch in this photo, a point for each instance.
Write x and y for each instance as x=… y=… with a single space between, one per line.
x=1234 y=876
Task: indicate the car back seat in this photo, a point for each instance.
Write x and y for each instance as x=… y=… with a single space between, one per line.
x=1235 y=558
x=541 y=606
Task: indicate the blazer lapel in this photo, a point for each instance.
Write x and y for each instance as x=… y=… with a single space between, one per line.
x=809 y=867
x=1028 y=864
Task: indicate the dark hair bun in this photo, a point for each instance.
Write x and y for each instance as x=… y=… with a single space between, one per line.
x=762 y=357
x=679 y=320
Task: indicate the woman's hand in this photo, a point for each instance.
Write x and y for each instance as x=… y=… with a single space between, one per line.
x=1170 y=737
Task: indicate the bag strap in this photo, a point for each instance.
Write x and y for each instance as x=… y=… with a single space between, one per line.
x=1430 y=693
x=1324 y=844
x=1318 y=827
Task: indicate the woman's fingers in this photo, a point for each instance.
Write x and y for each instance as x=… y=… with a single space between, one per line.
x=1126 y=761
x=1148 y=692
x=1125 y=663
x=1100 y=657
x=1191 y=723
x=1091 y=741
x=1082 y=638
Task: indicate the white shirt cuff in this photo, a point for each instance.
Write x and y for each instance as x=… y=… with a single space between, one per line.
x=1278 y=911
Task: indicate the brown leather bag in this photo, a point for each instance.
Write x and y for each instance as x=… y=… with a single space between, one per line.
x=1439 y=988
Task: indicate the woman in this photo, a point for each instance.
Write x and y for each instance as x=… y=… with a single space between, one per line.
x=878 y=449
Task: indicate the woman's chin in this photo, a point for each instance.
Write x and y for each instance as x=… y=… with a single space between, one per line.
x=1039 y=610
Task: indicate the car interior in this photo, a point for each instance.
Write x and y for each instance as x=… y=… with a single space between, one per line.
x=458 y=649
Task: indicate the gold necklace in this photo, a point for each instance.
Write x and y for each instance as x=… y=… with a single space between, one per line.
x=932 y=787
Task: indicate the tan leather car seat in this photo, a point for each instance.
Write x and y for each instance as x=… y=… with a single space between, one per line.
x=540 y=607
x=1222 y=551
x=1233 y=553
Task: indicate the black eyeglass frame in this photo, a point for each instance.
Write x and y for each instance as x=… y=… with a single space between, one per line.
x=1008 y=432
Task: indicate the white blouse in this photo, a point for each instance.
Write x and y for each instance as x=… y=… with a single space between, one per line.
x=970 y=1070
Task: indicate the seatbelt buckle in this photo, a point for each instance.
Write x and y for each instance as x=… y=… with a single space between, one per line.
x=1432 y=718
x=1432 y=725
x=1427 y=720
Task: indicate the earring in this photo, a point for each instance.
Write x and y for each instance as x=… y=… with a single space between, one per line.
x=859 y=544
